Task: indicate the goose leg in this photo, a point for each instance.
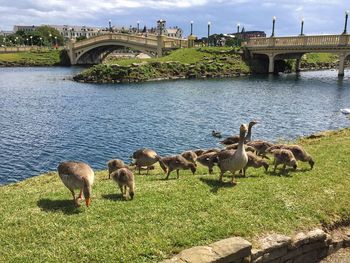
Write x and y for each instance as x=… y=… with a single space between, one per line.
x=121 y=189
x=147 y=170
x=233 y=179
x=167 y=176
x=221 y=175
x=75 y=200
x=139 y=169
x=80 y=194
x=177 y=173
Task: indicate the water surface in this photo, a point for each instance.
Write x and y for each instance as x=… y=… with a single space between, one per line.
x=46 y=118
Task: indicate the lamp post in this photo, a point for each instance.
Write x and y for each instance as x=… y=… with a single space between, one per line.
x=31 y=40
x=209 y=23
x=238 y=27
x=302 y=27
x=50 y=36
x=273 y=26
x=27 y=41
x=138 y=27
x=191 y=28
x=346 y=21
x=41 y=41
x=16 y=39
x=110 y=25
x=56 y=42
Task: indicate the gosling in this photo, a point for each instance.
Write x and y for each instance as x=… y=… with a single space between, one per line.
x=114 y=165
x=208 y=160
x=285 y=157
x=125 y=180
x=177 y=163
x=255 y=162
x=190 y=156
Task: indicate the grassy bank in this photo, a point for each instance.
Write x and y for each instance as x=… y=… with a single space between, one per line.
x=181 y=63
x=38 y=221
x=35 y=58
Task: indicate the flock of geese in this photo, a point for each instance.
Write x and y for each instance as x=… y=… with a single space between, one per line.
x=240 y=153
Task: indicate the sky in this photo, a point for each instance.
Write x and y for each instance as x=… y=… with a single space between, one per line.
x=321 y=16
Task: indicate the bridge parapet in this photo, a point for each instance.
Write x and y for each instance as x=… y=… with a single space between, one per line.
x=298 y=41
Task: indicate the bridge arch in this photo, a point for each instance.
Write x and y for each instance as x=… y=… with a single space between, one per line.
x=95 y=53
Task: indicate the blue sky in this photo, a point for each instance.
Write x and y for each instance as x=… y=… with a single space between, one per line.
x=321 y=17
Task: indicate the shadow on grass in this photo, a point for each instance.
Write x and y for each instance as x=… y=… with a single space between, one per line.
x=65 y=206
x=215 y=184
x=114 y=197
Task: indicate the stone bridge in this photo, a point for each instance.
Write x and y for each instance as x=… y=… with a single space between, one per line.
x=276 y=48
x=95 y=49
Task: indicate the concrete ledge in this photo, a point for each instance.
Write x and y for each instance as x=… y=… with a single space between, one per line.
x=302 y=248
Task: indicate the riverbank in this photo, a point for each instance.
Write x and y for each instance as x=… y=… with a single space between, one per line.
x=180 y=64
x=38 y=58
x=38 y=221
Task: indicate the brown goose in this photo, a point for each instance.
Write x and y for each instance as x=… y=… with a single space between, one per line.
x=125 y=180
x=207 y=160
x=260 y=146
x=199 y=152
x=235 y=139
x=145 y=157
x=299 y=153
x=114 y=165
x=285 y=157
x=255 y=162
x=235 y=146
x=190 y=156
x=233 y=160
x=77 y=175
x=177 y=163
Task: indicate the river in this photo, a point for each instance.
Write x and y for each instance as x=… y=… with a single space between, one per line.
x=46 y=118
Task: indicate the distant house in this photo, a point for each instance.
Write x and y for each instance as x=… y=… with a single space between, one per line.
x=175 y=32
x=25 y=29
x=5 y=33
x=244 y=35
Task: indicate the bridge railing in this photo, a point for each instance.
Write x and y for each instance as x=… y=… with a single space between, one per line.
x=170 y=43
x=322 y=40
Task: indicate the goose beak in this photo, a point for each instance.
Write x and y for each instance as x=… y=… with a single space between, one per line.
x=88 y=201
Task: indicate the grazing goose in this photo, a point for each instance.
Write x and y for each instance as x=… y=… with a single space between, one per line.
x=125 y=180
x=77 y=175
x=199 y=152
x=177 y=163
x=114 y=165
x=285 y=157
x=216 y=134
x=255 y=162
x=260 y=147
x=233 y=160
x=235 y=139
x=207 y=160
x=145 y=157
x=299 y=153
x=215 y=150
x=190 y=156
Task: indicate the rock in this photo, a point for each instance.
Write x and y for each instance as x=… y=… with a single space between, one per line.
x=232 y=249
x=274 y=241
x=200 y=254
x=299 y=239
x=316 y=235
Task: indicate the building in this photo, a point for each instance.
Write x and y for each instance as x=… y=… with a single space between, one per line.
x=245 y=35
x=175 y=32
x=4 y=33
x=26 y=29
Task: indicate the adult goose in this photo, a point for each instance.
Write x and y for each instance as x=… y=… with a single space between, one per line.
x=77 y=175
x=235 y=139
x=145 y=157
x=233 y=160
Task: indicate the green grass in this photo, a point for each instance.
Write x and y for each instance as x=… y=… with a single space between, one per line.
x=320 y=58
x=32 y=58
x=184 y=55
x=38 y=222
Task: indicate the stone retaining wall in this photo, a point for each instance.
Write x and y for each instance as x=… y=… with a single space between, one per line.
x=302 y=248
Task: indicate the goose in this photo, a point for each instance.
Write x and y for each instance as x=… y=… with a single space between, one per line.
x=145 y=157
x=114 y=165
x=177 y=163
x=235 y=146
x=124 y=178
x=345 y=111
x=285 y=157
x=235 y=139
x=260 y=146
x=233 y=160
x=77 y=175
x=216 y=134
x=190 y=156
x=207 y=160
x=299 y=153
x=255 y=162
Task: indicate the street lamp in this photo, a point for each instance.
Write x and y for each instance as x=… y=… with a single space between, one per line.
x=209 y=23
x=191 y=28
x=273 y=26
x=41 y=41
x=31 y=40
x=238 y=27
x=302 y=27
x=50 y=36
x=110 y=25
x=138 y=27
x=56 y=42
x=346 y=21
x=16 y=39
x=27 y=41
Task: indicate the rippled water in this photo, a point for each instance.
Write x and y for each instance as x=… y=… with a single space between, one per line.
x=46 y=118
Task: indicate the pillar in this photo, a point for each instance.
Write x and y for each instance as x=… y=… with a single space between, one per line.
x=160 y=45
x=297 y=65
x=271 y=64
x=341 y=64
